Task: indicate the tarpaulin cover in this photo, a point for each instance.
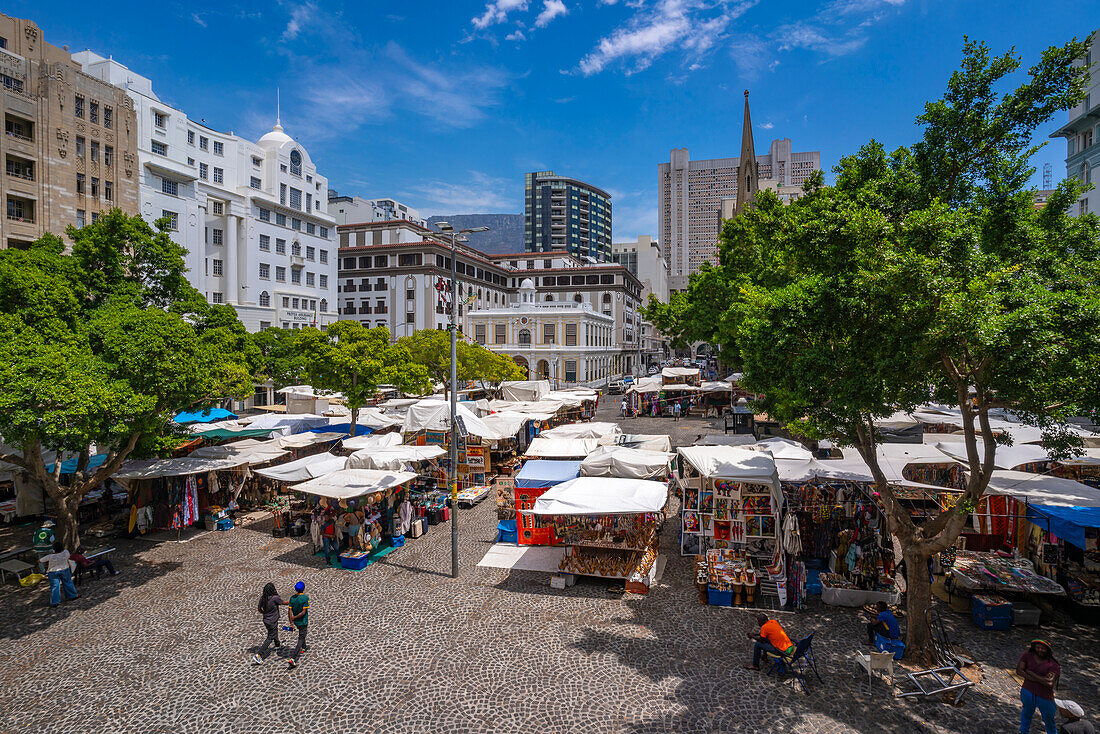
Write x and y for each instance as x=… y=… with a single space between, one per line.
x=68 y=466
x=289 y=424
x=562 y=448
x=367 y=442
x=784 y=448
x=344 y=428
x=347 y=483
x=308 y=467
x=1006 y=457
x=1043 y=489
x=1067 y=523
x=540 y=473
x=249 y=450
x=647 y=441
x=203 y=416
x=726 y=439
x=849 y=469
x=214 y=433
x=175 y=467
x=435 y=415
x=647 y=385
x=507 y=423
x=620 y=461
x=602 y=495
x=583 y=430
x=309 y=438
x=673 y=372
x=392 y=458
x=716 y=386
x=524 y=389
x=542 y=410
x=731 y=462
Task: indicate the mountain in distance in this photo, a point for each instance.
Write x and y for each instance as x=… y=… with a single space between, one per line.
x=505 y=233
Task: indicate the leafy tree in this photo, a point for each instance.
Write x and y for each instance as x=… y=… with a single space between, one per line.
x=699 y=314
x=279 y=358
x=432 y=349
x=349 y=358
x=98 y=348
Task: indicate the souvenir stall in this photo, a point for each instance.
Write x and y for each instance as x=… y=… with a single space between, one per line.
x=732 y=501
x=999 y=576
x=377 y=502
x=561 y=448
x=177 y=493
x=609 y=527
x=247 y=489
x=533 y=480
x=427 y=423
x=644 y=397
x=620 y=461
x=1068 y=549
x=1003 y=509
x=1084 y=468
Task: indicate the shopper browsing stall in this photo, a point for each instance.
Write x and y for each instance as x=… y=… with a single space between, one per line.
x=772 y=639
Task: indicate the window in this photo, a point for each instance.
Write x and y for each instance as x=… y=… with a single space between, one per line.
x=296 y=248
x=280 y=219
x=408 y=260
x=95 y=187
x=296 y=162
x=265 y=242
x=204 y=171
x=280 y=274
x=265 y=299
x=499 y=333
x=570 y=335
x=324 y=303
x=219 y=175
x=159 y=119
x=309 y=202
x=311 y=253
x=204 y=142
x=280 y=246
x=219 y=208
x=547 y=264
x=265 y=271
x=263 y=393
x=108 y=156
x=381 y=261
x=265 y=215
x=296 y=276
x=286 y=301
x=190 y=137
x=322 y=281
x=80 y=183
x=549 y=333
x=217 y=298
x=524 y=338
x=282 y=194
x=479 y=333
x=12 y=83
x=95 y=151
x=172 y=217
x=108 y=190
x=570 y=370
x=257 y=161
x=310 y=279
x=255 y=182
x=217 y=236
x=168 y=186
x=410 y=318
x=296 y=224
x=323 y=256
x=79 y=146
x=219 y=148
x=217 y=267
x=310 y=228
x=158 y=147
x=78 y=107
x=95 y=217
x=323 y=232
x=294 y=302
x=364 y=262
x=79 y=217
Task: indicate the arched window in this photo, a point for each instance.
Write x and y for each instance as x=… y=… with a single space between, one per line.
x=524 y=337
x=324 y=305
x=296 y=248
x=549 y=297
x=577 y=298
x=607 y=298
x=265 y=299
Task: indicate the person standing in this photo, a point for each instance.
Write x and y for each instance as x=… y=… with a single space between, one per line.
x=328 y=538
x=269 y=609
x=676 y=411
x=1040 y=672
x=299 y=618
x=622 y=408
x=59 y=574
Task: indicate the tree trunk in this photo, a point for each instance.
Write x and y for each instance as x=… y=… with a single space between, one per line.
x=68 y=523
x=354 y=421
x=918 y=599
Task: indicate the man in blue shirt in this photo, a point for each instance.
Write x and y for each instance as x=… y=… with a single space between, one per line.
x=885 y=624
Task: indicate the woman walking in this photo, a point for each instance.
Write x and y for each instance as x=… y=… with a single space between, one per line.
x=1040 y=672
x=269 y=608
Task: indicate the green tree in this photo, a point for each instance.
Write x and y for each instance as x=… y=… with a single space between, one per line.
x=279 y=358
x=98 y=348
x=929 y=273
x=432 y=349
x=349 y=358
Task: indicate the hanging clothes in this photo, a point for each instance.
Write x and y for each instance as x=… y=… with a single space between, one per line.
x=792 y=540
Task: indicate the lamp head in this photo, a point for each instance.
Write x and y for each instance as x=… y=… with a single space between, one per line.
x=444 y=226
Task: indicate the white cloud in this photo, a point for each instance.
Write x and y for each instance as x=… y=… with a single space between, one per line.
x=550 y=9
x=299 y=16
x=497 y=11
x=198 y=19
x=516 y=35
x=477 y=192
x=767 y=125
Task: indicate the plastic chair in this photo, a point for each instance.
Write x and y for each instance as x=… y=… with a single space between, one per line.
x=876 y=661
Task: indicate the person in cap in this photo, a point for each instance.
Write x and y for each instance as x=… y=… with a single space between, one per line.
x=1075 y=718
x=299 y=617
x=1040 y=672
x=885 y=624
x=43 y=538
x=59 y=573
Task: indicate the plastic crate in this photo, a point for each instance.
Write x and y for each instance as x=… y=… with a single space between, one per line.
x=719 y=598
x=992 y=623
x=1026 y=615
x=397 y=541
x=895 y=646
x=356 y=563
x=990 y=606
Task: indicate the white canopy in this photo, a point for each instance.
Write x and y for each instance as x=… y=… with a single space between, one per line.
x=309 y=438
x=620 y=461
x=435 y=415
x=507 y=423
x=735 y=377
x=726 y=439
x=583 y=430
x=572 y=398
x=1090 y=456
x=1006 y=457
x=849 y=469
x=648 y=442
x=716 y=386
x=561 y=448
x=894 y=457
x=308 y=467
x=372 y=440
x=542 y=410
x=674 y=372
x=372 y=418
x=347 y=483
x=1043 y=489
x=784 y=448
x=393 y=458
x=602 y=495
x=175 y=467
x=249 y=451
x=524 y=389
x=731 y=462
x=681 y=387
x=647 y=384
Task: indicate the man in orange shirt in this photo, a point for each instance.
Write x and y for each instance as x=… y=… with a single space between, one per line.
x=772 y=639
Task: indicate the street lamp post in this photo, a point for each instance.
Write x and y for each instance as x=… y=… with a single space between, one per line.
x=453 y=474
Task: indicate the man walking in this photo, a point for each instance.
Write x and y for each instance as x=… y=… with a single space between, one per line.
x=299 y=617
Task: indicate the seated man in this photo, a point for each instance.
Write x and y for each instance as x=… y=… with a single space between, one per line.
x=772 y=639
x=85 y=565
x=885 y=624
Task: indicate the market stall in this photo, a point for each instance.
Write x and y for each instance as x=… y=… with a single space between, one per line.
x=645 y=441
x=609 y=527
x=620 y=461
x=975 y=571
x=373 y=441
x=561 y=448
x=177 y=493
x=583 y=430
x=531 y=482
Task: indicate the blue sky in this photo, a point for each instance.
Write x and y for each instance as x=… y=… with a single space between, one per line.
x=445 y=105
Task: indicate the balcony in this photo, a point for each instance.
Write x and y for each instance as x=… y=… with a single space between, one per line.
x=20 y=210
x=348 y=311
x=17 y=168
x=364 y=309
x=381 y=310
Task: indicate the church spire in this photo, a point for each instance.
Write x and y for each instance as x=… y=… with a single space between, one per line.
x=747 y=183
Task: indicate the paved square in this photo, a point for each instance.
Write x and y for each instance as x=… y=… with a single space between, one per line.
x=402 y=647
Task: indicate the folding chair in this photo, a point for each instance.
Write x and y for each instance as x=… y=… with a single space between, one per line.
x=797 y=663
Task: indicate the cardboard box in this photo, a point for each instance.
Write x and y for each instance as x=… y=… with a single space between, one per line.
x=557 y=581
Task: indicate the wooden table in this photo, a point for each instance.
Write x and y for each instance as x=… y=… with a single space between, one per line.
x=15 y=552
x=13 y=566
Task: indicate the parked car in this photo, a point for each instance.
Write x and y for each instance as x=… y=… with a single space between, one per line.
x=653 y=370
x=615 y=387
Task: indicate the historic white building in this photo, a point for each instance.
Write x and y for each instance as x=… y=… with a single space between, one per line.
x=565 y=342
x=253 y=216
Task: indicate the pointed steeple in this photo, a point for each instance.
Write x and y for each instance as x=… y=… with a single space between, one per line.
x=747 y=183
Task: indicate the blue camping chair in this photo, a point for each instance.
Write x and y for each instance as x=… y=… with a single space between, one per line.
x=506 y=531
x=797 y=663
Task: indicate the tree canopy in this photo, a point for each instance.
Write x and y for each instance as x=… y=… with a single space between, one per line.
x=432 y=348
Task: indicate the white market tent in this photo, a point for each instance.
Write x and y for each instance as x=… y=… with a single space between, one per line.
x=1043 y=489
x=249 y=451
x=347 y=483
x=308 y=467
x=372 y=441
x=716 y=386
x=646 y=441
x=309 y=438
x=674 y=372
x=680 y=386
x=561 y=448
x=583 y=430
x=647 y=384
x=848 y=469
x=620 y=461
x=572 y=398
x=733 y=462
x=175 y=467
x=288 y=424
x=784 y=448
x=435 y=415
x=542 y=410
x=393 y=458
x=508 y=423
x=602 y=495
x=524 y=390
x=1006 y=457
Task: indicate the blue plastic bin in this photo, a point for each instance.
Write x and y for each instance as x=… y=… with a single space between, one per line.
x=719 y=598
x=506 y=531
x=354 y=564
x=895 y=646
x=397 y=541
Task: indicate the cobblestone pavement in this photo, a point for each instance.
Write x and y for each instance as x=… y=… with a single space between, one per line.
x=402 y=647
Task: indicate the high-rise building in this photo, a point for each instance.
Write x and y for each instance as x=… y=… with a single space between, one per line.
x=357 y=210
x=642 y=257
x=1082 y=134
x=562 y=213
x=252 y=216
x=70 y=140
x=690 y=195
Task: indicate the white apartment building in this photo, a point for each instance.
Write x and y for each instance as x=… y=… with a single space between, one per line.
x=252 y=215
x=643 y=258
x=690 y=195
x=356 y=209
x=566 y=342
x=1082 y=134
